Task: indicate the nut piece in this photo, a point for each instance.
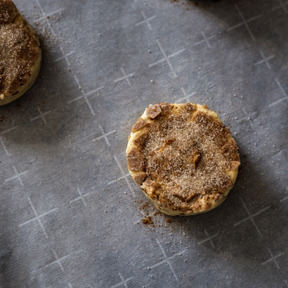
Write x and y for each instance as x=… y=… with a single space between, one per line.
x=153 y=111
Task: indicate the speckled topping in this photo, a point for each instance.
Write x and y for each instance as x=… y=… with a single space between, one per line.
x=182 y=157
x=19 y=50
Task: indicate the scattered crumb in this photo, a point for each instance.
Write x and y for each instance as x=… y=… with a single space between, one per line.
x=148 y=221
x=151 y=216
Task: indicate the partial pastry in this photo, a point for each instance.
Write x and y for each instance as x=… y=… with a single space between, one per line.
x=20 y=53
x=183 y=158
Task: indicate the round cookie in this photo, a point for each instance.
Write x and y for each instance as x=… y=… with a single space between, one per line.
x=183 y=158
x=20 y=53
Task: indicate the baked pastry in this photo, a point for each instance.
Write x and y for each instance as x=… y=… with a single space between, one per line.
x=183 y=158
x=20 y=53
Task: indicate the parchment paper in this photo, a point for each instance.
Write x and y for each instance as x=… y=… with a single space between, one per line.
x=71 y=216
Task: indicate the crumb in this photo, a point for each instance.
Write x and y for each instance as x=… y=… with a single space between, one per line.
x=148 y=221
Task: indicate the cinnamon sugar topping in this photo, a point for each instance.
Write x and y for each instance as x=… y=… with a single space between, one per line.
x=19 y=49
x=8 y=11
x=186 y=156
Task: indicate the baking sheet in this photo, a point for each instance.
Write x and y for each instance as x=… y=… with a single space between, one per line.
x=71 y=216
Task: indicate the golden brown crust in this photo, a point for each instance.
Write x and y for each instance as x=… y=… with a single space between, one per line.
x=19 y=52
x=183 y=158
